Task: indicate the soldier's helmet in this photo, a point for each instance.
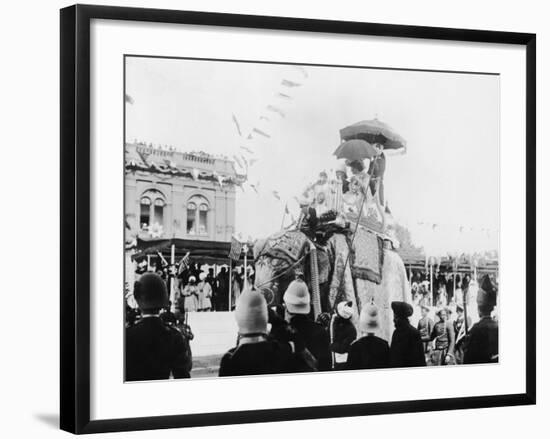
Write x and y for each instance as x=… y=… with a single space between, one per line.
x=150 y=292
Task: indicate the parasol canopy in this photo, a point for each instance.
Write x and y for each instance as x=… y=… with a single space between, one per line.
x=355 y=149
x=373 y=131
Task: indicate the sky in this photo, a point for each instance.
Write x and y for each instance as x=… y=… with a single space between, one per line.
x=448 y=176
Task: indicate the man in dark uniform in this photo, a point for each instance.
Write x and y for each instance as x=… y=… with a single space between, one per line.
x=406 y=348
x=255 y=353
x=369 y=351
x=211 y=279
x=222 y=290
x=481 y=344
x=443 y=335
x=308 y=336
x=154 y=350
x=425 y=327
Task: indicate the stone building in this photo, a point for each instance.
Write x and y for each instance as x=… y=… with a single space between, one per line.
x=172 y=194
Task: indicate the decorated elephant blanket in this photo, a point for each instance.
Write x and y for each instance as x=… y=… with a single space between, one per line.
x=360 y=290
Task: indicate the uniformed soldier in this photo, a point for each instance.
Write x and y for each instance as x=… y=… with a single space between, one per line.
x=425 y=327
x=154 y=350
x=255 y=353
x=307 y=333
x=482 y=341
x=460 y=325
x=443 y=335
x=369 y=351
x=406 y=349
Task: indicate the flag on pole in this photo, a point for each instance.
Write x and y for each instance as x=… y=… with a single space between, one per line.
x=129 y=99
x=235 y=250
x=184 y=263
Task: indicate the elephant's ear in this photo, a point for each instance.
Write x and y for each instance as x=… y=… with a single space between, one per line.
x=259 y=245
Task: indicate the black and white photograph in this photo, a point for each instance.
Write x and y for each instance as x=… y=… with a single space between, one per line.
x=295 y=218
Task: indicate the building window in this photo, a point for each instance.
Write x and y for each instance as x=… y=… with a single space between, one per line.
x=144 y=212
x=191 y=218
x=197 y=216
x=151 y=209
x=203 y=219
x=158 y=211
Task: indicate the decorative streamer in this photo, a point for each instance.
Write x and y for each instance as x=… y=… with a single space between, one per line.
x=288 y=83
x=260 y=132
x=302 y=70
x=248 y=150
x=236 y=122
x=276 y=110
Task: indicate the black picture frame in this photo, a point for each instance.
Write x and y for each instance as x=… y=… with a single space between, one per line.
x=75 y=217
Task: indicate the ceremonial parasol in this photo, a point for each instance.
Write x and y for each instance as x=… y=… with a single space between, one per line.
x=373 y=131
x=355 y=149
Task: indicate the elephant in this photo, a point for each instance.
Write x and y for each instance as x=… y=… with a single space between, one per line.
x=374 y=272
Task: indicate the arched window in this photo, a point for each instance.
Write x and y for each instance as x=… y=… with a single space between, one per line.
x=191 y=218
x=151 y=208
x=144 y=212
x=158 y=211
x=203 y=219
x=197 y=216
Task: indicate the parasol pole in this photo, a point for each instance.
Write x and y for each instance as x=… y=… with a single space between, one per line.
x=365 y=191
x=148 y=262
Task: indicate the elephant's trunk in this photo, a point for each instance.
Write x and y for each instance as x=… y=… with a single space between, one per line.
x=264 y=274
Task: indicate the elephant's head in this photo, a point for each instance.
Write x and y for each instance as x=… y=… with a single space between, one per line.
x=277 y=260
